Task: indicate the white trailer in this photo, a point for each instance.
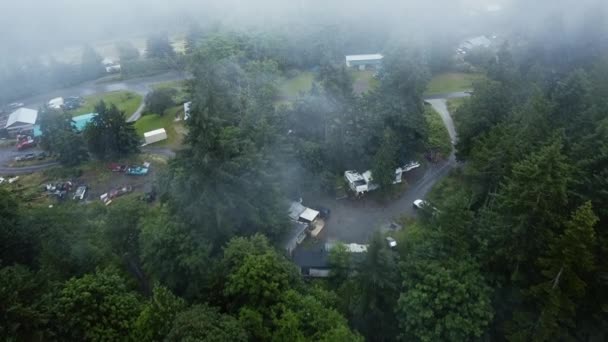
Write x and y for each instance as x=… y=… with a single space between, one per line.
x=155 y=136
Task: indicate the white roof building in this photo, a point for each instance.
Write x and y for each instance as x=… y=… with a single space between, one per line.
x=22 y=118
x=362 y=61
x=56 y=103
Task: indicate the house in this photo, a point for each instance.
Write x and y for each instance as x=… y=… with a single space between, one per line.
x=79 y=123
x=373 y=61
x=295 y=236
x=56 y=103
x=155 y=136
x=312 y=263
x=21 y=119
x=312 y=218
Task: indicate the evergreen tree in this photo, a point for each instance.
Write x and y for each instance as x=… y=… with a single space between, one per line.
x=91 y=66
x=59 y=137
x=443 y=301
x=109 y=135
x=156 y=318
x=127 y=52
x=566 y=267
x=94 y=307
x=386 y=161
x=376 y=293
x=158 y=46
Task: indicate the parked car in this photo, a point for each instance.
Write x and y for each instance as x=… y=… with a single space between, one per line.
x=114 y=167
x=323 y=212
x=137 y=171
x=80 y=192
x=391 y=242
x=72 y=102
x=25 y=143
x=120 y=191
x=419 y=204
x=25 y=157
x=42 y=155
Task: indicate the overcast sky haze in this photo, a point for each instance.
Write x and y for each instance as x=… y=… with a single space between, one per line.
x=34 y=26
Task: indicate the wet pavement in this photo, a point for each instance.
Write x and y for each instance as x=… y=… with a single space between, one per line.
x=356 y=220
x=138 y=85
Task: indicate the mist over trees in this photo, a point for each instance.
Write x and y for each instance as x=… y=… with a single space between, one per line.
x=513 y=247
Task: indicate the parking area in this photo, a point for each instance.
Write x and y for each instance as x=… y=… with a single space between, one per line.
x=355 y=220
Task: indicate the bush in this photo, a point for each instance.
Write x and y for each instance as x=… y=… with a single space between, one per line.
x=159 y=100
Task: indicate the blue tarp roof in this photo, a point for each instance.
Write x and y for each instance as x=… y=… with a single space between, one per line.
x=81 y=121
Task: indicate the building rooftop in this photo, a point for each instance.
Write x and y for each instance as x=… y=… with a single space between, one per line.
x=317 y=258
x=370 y=57
x=81 y=121
x=155 y=132
x=23 y=116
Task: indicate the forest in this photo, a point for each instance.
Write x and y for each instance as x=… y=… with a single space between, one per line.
x=516 y=250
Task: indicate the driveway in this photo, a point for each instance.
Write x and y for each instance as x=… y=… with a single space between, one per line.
x=355 y=220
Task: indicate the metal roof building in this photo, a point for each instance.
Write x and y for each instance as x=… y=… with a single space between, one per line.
x=364 y=61
x=22 y=118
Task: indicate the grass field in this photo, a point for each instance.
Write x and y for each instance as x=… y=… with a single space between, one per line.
x=363 y=80
x=293 y=86
x=125 y=101
x=181 y=92
x=454 y=104
x=439 y=138
x=151 y=122
x=452 y=82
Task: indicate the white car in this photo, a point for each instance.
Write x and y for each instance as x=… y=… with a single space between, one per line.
x=391 y=242
x=80 y=192
x=419 y=204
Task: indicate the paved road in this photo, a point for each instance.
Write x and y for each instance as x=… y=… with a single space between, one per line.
x=138 y=85
x=356 y=220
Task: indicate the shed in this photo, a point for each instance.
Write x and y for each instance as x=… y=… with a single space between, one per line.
x=155 y=136
x=312 y=263
x=309 y=215
x=22 y=118
x=364 y=61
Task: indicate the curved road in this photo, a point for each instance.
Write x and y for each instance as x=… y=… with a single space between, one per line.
x=138 y=85
x=356 y=220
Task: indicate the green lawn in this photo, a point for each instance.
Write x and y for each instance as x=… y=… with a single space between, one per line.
x=293 y=86
x=181 y=92
x=439 y=138
x=363 y=80
x=151 y=122
x=452 y=82
x=125 y=101
x=453 y=104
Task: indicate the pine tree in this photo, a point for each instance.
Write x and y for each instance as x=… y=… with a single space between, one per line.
x=108 y=135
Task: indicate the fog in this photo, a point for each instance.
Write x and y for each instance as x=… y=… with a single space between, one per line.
x=40 y=26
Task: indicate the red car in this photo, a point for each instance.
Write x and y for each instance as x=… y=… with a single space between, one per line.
x=114 y=167
x=25 y=143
